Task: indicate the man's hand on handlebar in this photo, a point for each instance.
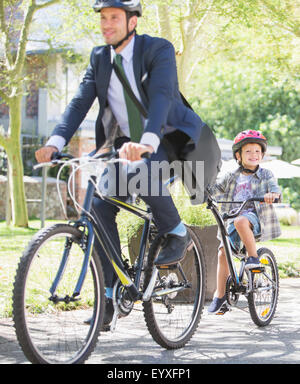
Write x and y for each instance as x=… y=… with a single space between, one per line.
x=270 y=197
x=44 y=154
x=134 y=151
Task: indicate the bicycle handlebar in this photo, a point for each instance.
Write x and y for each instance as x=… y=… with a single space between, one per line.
x=60 y=156
x=106 y=155
x=243 y=204
x=57 y=156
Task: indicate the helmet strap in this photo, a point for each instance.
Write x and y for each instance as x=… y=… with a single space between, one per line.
x=246 y=170
x=125 y=38
x=128 y=16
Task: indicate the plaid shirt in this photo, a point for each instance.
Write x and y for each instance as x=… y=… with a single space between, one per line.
x=262 y=182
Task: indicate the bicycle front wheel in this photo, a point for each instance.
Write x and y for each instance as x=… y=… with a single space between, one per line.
x=173 y=318
x=263 y=298
x=55 y=332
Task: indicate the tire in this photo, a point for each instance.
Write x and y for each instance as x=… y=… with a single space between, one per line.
x=173 y=319
x=55 y=333
x=263 y=299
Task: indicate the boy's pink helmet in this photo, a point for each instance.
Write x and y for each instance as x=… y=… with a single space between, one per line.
x=249 y=136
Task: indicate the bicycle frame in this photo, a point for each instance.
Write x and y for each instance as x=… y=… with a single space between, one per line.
x=95 y=228
x=62 y=257
x=212 y=205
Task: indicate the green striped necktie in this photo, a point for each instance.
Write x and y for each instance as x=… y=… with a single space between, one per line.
x=134 y=116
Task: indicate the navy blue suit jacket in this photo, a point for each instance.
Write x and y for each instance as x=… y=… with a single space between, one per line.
x=156 y=78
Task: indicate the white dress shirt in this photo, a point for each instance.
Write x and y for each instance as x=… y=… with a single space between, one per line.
x=116 y=101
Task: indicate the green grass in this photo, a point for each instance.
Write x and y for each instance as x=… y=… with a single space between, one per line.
x=12 y=244
x=287 y=251
x=14 y=240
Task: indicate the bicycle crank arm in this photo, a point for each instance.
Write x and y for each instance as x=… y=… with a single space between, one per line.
x=168 y=291
x=148 y=293
x=115 y=318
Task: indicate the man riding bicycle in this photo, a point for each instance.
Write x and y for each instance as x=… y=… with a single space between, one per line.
x=149 y=66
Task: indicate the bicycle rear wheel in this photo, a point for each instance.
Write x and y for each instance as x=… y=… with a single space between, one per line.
x=49 y=332
x=263 y=299
x=173 y=318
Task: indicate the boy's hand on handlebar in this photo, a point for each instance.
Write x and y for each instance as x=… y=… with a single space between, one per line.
x=43 y=155
x=133 y=151
x=270 y=197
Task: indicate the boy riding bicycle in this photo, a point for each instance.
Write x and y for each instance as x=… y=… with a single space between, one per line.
x=257 y=220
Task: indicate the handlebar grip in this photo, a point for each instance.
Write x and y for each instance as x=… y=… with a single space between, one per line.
x=146 y=155
x=56 y=156
x=262 y=200
x=107 y=155
x=259 y=199
x=60 y=155
x=115 y=155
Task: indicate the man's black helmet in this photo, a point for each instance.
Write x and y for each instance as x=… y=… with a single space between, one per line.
x=127 y=5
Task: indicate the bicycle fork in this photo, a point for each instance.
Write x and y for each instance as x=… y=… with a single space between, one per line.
x=87 y=246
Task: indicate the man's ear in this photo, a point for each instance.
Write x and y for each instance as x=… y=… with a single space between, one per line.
x=132 y=23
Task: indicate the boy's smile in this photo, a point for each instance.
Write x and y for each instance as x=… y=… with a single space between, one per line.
x=251 y=155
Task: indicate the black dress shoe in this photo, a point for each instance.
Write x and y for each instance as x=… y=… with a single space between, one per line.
x=108 y=315
x=173 y=249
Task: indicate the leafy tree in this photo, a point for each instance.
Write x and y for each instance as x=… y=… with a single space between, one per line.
x=199 y=29
x=202 y=31
x=16 y=18
x=237 y=96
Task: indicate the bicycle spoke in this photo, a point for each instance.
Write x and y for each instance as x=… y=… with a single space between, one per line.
x=173 y=317
x=265 y=288
x=49 y=331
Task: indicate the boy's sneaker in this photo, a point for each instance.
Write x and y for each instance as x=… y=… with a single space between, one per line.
x=252 y=262
x=216 y=305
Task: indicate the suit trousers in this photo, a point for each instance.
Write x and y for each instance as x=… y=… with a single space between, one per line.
x=164 y=212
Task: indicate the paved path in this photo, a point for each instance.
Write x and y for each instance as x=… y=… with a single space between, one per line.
x=228 y=339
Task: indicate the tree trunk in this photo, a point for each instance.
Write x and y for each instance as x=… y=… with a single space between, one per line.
x=16 y=18
x=165 y=29
x=13 y=151
x=184 y=57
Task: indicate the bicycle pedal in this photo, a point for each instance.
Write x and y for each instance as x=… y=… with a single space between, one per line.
x=106 y=328
x=223 y=310
x=164 y=267
x=257 y=269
